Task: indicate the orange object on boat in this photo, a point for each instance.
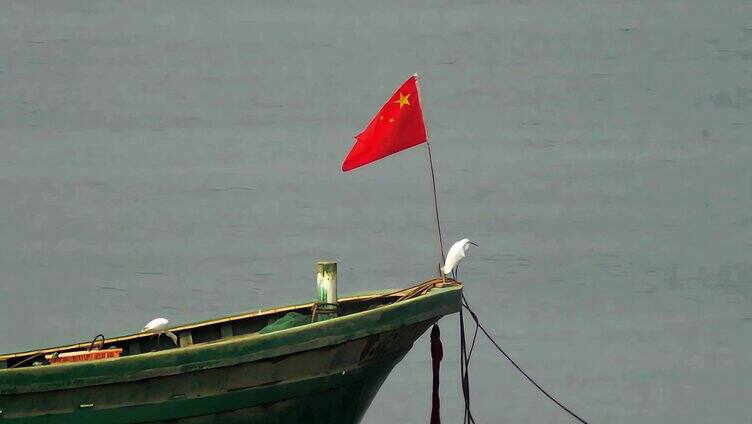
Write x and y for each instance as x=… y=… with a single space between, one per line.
x=83 y=355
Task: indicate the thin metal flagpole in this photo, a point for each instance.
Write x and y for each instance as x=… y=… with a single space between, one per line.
x=436 y=207
x=433 y=184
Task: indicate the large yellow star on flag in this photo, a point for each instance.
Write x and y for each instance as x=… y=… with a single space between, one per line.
x=403 y=100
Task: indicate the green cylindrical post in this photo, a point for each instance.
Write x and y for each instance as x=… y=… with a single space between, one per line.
x=326 y=290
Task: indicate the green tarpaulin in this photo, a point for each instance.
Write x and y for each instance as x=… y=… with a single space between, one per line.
x=290 y=320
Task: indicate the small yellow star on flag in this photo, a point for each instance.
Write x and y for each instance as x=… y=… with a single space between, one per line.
x=403 y=100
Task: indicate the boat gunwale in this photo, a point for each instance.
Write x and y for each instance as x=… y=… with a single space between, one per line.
x=257 y=347
x=205 y=323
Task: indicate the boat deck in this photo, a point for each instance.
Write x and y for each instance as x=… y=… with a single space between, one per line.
x=203 y=331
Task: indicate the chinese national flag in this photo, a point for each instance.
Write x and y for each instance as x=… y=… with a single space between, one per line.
x=398 y=125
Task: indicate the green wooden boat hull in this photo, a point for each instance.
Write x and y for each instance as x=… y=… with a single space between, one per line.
x=327 y=371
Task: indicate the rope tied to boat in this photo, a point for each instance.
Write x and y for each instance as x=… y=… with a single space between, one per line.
x=420 y=289
x=465 y=364
x=405 y=294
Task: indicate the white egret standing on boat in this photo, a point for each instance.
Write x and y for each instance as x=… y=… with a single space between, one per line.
x=158 y=326
x=454 y=256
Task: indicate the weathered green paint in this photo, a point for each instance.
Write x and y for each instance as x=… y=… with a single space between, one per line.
x=326 y=289
x=260 y=378
x=288 y=400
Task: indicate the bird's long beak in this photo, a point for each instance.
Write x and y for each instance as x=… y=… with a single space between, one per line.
x=472 y=243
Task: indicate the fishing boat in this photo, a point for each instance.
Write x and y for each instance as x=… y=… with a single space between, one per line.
x=282 y=365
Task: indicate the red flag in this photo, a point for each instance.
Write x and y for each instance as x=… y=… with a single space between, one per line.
x=398 y=126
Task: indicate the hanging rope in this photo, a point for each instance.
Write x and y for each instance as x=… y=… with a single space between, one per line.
x=467 y=417
x=465 y=363
x=437 y=354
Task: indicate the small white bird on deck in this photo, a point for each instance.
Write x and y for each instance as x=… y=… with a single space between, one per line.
x=158 y=326
x=455 y=255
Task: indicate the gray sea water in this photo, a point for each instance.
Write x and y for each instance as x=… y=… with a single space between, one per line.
x=182 y=159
